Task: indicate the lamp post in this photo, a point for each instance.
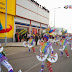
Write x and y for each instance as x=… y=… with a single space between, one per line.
x=6 y=24
x=54 y=17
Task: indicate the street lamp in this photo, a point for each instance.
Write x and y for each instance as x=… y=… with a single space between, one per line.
x=6 y=24
x=54 y=17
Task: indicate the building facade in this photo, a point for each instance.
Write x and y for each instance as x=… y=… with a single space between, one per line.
x=31 y=16
x=11 y=12
x=25 y=15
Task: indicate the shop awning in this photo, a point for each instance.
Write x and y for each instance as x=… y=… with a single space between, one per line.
x=43 y=27
x=22 y=23
x=26 y=24
x=35 y=26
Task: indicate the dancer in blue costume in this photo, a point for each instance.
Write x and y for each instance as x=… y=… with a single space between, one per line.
x=4 y=62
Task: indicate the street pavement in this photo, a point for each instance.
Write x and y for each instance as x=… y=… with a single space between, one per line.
x=20 y=58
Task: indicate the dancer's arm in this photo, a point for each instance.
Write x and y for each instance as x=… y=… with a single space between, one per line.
x=40 y=51
x=64 y=46
x=51 y=49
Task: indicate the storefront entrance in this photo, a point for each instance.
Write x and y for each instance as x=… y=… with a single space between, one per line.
x=20 y=28
x=22 y=31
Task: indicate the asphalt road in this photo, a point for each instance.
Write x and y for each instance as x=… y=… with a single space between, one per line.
x=20 y=58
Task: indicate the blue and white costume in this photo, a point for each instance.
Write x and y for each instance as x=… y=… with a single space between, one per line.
x=4 y=62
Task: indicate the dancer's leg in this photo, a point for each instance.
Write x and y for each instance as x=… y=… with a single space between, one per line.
x=49 y=66
x=29 y=49
x=33 y=49
x=66 y=51
x=61 y=53
x=42 y=67
x=0 y=67
x=7 y=65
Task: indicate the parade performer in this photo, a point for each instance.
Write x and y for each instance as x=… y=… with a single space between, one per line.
x=45 y=55
x=68 y=37
x=44 y=51
x=25 y=44
x=56 y=42
x=31 y=44
x=63 y=43
x=3 y=61
x=3 y=58
x=71 y=41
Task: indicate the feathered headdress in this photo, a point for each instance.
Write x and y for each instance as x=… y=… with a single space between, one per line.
x=49 y=30
x=64 y=32
x=46 y=37
x=32 y=33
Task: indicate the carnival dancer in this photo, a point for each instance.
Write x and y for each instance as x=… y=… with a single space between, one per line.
x=63 y=43
x=4 y=62
x=43 y=51
x=68 y=37
x=56 y=42
x=71 y=41
x=31 y=44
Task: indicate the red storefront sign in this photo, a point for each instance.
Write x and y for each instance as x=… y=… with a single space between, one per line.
x=34 y=31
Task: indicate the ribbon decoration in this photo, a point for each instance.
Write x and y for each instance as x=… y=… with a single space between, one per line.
x=64 y=32
x=45 y=50
x=49 y=30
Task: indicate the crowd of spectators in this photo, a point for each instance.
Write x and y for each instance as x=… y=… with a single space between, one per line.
x=26 y=37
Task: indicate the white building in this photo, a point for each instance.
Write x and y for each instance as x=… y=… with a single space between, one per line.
x=31 y=16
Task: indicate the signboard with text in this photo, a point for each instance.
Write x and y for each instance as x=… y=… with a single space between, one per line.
x=11 y=6
x=2 y=5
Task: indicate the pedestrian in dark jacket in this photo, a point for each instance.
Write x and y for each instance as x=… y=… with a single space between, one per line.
x=28 y=36
x=16 y=37
x=36 y=39
x=20 y=37
x=40 y=37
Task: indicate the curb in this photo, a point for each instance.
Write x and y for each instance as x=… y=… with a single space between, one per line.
x=16 y=46
x=22 y=46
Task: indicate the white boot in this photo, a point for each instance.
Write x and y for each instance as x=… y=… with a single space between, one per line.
x=71 y=48
x=20 y=70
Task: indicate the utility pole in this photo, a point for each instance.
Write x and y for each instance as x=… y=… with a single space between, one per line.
x=54 y=17
x=6 y=24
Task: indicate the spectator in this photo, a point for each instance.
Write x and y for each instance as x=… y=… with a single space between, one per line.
x=28 y=36
x=16 y=36
x=25 y=37
x=20 y=37
x=36 y=39
x=40 y=37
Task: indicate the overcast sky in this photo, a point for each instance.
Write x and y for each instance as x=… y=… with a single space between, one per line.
x=63 y=17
